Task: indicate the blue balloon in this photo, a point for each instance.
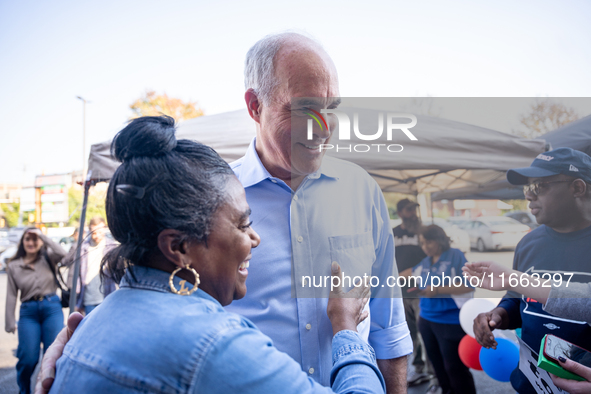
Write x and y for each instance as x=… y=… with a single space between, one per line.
x=499 y=363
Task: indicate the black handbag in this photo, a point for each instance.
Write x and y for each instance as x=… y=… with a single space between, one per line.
x=65 y=300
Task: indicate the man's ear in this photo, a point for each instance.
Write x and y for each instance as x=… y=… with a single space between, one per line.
x=172 y=247
x=253 y=104
x=580 y=188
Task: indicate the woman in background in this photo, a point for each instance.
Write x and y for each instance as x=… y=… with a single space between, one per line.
x=31 y=271
x=439 y=322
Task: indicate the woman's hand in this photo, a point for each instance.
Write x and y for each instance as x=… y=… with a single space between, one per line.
x=483 y=271
x=573 y=386
x=11 y=330
x=46 y=375
x=345 y=310
x=428 y=292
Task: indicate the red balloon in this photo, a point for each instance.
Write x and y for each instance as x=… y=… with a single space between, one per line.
x=469 y=351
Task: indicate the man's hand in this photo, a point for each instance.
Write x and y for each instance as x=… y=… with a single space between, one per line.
x=483 y=271
x=47 y=373
x=573 y=386
x=488 y=321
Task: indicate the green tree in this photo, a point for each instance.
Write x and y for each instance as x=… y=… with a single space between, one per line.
x=545 y=115
x=10 y=213
x=95 y=206
x=152 y=104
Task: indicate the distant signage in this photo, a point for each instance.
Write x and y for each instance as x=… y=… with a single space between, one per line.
x=53 y=197
x=27 y=199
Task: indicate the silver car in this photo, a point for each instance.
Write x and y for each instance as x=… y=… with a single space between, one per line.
x=459 y=238
x=495 y=232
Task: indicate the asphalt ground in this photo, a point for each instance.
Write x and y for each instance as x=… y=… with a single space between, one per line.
x=9 y=342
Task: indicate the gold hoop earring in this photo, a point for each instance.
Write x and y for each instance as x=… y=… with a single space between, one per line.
x=183 y=290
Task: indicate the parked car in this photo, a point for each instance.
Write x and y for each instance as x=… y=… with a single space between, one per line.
x=460 y=221
x=15 y=234
x=524 y=217
x=495 y=232
x=459 y=238
x=8 y=253
x=4 y=241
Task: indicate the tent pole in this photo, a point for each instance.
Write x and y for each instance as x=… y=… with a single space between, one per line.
x=79 y=244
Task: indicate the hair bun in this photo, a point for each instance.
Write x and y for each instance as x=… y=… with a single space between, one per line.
x=148 y=136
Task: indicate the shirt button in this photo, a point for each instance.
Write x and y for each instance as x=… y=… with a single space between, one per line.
x=295 y=197
x=308 y=326
x=311 y=371
x=300 y=238
x=274 y=180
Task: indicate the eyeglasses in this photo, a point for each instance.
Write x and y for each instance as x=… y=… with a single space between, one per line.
x=539 y=187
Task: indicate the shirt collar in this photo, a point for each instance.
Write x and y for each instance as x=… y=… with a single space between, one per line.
x=253 y=170
x=329 y=167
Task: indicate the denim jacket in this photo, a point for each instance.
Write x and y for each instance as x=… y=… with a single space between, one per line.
x=145 y=339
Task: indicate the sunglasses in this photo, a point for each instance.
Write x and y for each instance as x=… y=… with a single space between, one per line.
x=536 y=188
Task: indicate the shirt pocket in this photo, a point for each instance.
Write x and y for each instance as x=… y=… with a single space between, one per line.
x=355 y=254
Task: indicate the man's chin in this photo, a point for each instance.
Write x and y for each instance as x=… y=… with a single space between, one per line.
x=414 y=226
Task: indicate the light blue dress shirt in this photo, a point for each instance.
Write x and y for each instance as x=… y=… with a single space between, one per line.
x=337 y=214
x=145 y=339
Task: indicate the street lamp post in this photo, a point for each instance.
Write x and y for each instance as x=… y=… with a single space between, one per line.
x=83 y=136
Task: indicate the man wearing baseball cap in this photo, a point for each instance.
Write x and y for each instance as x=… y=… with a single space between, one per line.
x=558 y=187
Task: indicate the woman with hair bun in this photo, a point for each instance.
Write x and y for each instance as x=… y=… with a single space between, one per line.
x=182 y=219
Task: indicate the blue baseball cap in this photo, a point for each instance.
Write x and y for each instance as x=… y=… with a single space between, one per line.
x=565 y=161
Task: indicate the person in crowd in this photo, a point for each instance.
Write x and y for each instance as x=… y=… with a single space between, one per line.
x=558 y=188
x=441 y=300
x=31 y=271
x=287 y=181
x=563 y=299
x=408 y=254
x=571 y=300
x=182 y=219
x=90 y=290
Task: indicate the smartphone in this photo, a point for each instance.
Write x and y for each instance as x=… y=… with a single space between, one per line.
x=555 y=347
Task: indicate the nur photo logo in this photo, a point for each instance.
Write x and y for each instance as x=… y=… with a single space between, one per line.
x=393 y=124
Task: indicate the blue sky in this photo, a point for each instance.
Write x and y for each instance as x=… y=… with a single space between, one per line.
x=110 y=52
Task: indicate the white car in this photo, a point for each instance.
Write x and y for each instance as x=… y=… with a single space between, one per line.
x=8 y=253
x=495 y=232
x=459 y=238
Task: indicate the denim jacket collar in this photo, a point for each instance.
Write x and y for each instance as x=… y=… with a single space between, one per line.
x=157 y=280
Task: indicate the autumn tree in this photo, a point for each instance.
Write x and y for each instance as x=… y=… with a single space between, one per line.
x=546 y=115
x=152 y=104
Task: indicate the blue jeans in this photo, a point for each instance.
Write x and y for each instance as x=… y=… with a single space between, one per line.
x=89 y=308
x=39 y=322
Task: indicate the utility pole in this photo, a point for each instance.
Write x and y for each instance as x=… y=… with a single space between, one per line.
x=84 y=158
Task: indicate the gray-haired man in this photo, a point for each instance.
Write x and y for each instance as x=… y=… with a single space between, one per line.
x=298 y=198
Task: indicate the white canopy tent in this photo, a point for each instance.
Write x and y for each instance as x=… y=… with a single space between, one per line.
x=448 y=156
x=449 y=159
